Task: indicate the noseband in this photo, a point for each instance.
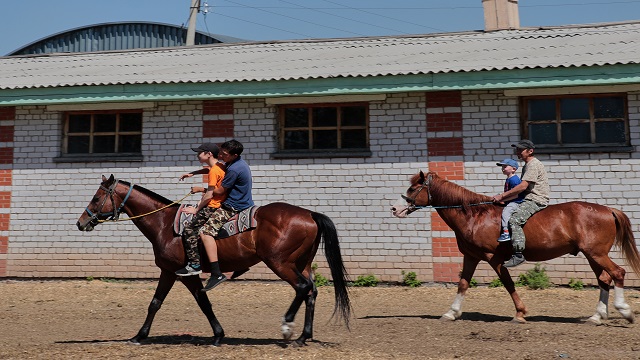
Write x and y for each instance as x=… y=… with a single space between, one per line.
x=115 y=213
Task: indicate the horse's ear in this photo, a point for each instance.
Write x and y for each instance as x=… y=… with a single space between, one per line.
x=111 y=179
x=421 y=177
x=104 y=178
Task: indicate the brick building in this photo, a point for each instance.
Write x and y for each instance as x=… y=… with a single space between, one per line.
x=337 y=126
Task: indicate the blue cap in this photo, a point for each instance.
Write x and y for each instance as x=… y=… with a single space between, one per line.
x=510 y=162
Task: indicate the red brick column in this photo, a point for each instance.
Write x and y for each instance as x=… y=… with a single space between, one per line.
x=444 y=114
x=7 y=117
x=222 y=126
x=447 y=259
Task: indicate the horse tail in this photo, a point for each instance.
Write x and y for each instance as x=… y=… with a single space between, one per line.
x=625 y=240
x=327 y=230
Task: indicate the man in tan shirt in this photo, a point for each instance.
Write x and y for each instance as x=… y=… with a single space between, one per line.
x=535 y=186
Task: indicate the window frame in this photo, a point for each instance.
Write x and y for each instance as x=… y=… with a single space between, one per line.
x=559 y=147
x=322 y=153
x=99 y=157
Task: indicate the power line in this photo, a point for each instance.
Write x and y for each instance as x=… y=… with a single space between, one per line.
x=343 y=17
x=438 y=7
x=384 y=16
x=271 y=27
x=291 y=17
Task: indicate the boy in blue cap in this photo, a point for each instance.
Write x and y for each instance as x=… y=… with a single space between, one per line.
x=509 y=167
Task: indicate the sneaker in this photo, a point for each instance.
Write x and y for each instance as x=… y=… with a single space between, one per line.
x=515 y=260
x=213 y=282
x=190 y=270
x=504 y=237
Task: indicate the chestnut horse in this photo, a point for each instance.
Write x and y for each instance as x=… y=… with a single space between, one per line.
x=286 y=240
x=566 y=228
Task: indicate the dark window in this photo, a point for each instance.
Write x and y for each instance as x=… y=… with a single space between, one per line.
x=110 y=132
x=324 y=127
x=576 y=121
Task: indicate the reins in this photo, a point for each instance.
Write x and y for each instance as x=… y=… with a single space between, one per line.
x=114 y=215
x=149 y=213
x=417 y=207
x=425 y=185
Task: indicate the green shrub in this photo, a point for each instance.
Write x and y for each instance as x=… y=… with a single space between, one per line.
x=410 y=279
x=576 y=284
x=366 y=281
x=535 y=278
x=495 y=283
x=89 y=278
x=473 y=283
x=318 y=278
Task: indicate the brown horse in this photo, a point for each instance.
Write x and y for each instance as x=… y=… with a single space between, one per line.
x=286 y=240
x=561 y=229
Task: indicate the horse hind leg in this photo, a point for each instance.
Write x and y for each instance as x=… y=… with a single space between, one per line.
x=602 y=309
x=167 y=279
x=305 y=291
x=617 y=274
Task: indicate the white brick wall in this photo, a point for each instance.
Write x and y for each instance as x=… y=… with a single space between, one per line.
x=48 y=197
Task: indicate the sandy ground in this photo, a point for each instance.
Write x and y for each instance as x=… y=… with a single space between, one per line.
x=93 y=319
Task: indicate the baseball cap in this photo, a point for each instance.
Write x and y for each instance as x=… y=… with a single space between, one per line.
x=510 y=162
x=208 y=147
x=524 y=144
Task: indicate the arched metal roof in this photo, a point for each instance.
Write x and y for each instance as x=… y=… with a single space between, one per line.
x=118 y=36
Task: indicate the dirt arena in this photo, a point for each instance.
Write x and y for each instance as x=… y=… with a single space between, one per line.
x=93 y=319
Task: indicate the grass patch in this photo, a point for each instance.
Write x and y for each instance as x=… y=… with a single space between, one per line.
x=410 y=279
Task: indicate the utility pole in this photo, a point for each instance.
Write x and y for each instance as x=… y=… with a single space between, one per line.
x=191 y=29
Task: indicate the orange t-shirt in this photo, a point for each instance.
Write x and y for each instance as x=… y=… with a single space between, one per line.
x=216 y=174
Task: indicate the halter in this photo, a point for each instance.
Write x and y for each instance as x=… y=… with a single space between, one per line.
x=115 y=213
x=412 y=201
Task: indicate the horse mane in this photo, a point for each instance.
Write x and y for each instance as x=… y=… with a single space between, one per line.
x=149 y=193
x=446 y=193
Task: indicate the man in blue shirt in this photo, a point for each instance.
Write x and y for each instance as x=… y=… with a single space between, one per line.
x=236 y=184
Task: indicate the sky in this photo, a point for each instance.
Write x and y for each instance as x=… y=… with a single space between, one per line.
x=25 y=21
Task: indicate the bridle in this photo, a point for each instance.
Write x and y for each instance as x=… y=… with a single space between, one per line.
x=426 y=185
x=114 y=214
x=412 y=201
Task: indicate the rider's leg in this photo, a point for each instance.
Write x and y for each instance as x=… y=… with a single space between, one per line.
x=190 y=239
x=519 y=217
x=208 y=233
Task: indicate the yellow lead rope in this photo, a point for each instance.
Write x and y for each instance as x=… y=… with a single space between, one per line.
x=149 y=213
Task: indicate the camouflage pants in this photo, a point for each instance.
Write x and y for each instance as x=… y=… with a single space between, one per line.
x=190 y=234
x=519 y=217
x=215 y=222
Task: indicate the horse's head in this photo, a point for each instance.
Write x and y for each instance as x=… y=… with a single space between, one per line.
x=101 y=207
x=417 y=195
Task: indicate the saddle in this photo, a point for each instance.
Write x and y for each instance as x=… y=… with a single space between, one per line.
x=241 y=222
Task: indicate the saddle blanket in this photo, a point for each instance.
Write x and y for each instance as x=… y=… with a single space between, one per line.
x=243 y=221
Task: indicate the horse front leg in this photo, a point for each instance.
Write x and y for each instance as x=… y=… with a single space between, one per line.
x=505 y=277
x=469 y=265
x=194 y=284
x=167 y=279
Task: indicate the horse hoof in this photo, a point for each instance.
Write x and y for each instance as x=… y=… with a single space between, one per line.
x=287 y=330
x=593 y=321
x=216 y=341
x=133 y=341
x=517 y=320
x=448 y=317
x=298 y=343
